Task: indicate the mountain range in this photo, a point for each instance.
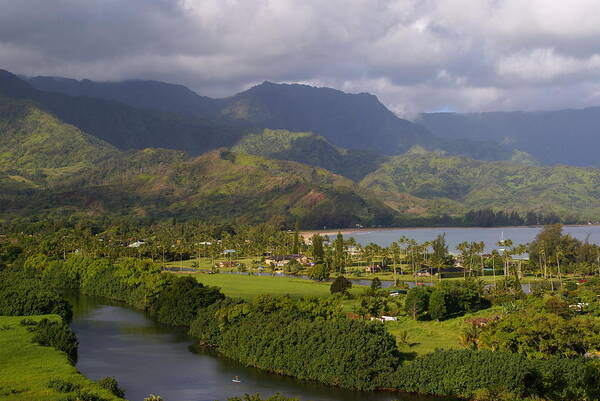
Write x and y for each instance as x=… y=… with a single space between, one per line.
x=569 y=137
x=276 y=152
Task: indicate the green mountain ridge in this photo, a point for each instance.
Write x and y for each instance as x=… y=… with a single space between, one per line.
x=49 y=167
x=455 y=185
x=308 y=148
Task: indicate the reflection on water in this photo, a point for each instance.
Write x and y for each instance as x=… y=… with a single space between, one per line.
x=147 y=357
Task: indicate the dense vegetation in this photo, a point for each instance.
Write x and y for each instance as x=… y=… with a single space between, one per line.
x=172 y=300
x=308 y=148
x=57 y=335
x=308 y=340
x=22 y=295
x=497 y=375
x=455 y=185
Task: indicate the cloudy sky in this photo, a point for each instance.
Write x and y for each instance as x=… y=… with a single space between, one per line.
x=416 y=55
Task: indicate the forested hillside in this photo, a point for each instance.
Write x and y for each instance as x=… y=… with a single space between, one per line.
x=308 y=148
x=457 y=184
x=54 y=161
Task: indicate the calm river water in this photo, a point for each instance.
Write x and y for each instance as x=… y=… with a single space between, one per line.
x=146 y=357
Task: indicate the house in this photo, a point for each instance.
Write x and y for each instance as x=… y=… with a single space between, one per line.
x=427 y=271
x=376 y=268
x=354 y=251
x=385 y=318
x=227 y=264
x=229 y=252
x=136 y=244
x=282 y=260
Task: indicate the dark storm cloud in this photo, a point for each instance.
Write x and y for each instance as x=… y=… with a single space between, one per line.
x=414 y=54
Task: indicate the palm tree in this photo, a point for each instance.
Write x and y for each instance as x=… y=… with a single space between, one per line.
x=559 y=254
x=395 y=250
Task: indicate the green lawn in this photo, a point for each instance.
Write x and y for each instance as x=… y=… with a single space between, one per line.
x=427 y=336
x=26 y=368
x=247 y=287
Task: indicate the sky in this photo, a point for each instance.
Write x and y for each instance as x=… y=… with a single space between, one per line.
x=415 y=55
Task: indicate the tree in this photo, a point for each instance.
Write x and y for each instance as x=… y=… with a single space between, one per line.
x=439 y=255
x=375 y=284
x=319 y=272
x=340 y=284
x=296 y=243
x=416 y=302
x=437 y=305
x=395 y=251
x=318 y=252
x=338 y=257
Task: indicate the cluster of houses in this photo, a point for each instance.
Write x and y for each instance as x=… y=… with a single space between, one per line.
x=282 y=260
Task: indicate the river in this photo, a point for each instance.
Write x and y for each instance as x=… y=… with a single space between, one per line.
x=147 y=357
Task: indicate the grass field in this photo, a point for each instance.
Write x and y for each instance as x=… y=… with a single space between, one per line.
x=427 y=336
x=26 y=368
x=247 y=287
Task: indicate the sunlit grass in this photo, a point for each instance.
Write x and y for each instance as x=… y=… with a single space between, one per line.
x=26 y=368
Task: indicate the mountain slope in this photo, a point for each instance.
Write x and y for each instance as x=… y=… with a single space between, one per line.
x=308 y=148
x=355 y=121
x=124 y=126
x=141 y=94
x=219 y=186
x=555 y=137
x=456 y=185
x=36 y=147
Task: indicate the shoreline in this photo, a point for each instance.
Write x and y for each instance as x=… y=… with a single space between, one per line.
x=307 y=234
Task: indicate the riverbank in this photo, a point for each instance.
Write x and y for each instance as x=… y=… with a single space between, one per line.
x=27 y=368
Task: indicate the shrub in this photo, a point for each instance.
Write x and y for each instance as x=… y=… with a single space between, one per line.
x=319 y=272
x=63 y=386
x=57 y=335
x=178 y=303
x=340 y=284
x=257 y=397
x=462 y=373
x=111 y=384
x=85 y=396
